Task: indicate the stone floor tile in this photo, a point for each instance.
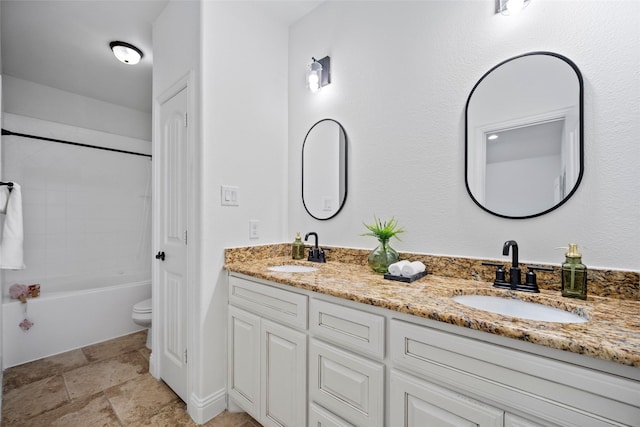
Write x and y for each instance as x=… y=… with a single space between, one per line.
x=26 y=373
x=140 y=398
x=30 y=400
x=173 y=414
x=116 y=346
x=99 y=376
x=230 y=419
x=94 y=411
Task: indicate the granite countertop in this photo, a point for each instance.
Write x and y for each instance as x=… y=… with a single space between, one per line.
x=612 y=332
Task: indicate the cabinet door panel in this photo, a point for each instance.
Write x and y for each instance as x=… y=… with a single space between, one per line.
x=244 y=360
x=351 y=386
x=416 y=403
x=283 y=376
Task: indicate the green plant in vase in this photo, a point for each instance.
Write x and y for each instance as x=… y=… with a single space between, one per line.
x=384 y=255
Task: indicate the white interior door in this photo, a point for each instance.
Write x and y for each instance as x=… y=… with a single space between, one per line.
x=172 y=241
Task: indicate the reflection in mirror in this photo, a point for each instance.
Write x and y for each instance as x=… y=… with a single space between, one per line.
x=524 y=146
x=324 y=169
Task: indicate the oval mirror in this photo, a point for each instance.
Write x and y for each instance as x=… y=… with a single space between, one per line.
x=524 y=141
x=324 y=169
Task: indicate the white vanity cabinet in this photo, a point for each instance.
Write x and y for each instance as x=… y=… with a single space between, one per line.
x=267 y=365
x=471 y=378
x=300 y=358
x=343 y=378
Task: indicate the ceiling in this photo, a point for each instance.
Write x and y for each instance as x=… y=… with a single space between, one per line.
x=65 y=44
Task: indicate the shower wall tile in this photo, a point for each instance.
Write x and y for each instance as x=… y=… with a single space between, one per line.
x=85 y=211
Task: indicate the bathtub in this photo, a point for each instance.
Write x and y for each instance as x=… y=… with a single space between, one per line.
x=70 y=313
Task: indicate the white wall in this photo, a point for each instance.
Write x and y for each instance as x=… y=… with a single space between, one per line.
x=30 y=99
x=401 y=75
x=244 y=143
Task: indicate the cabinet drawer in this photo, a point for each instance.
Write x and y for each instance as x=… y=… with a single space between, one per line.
x=283 y=306
x=350 y=328
x=417 y=403
x=320 y=417
x=348 y=385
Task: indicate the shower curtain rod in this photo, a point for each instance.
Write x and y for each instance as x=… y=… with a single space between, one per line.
x=24 y=135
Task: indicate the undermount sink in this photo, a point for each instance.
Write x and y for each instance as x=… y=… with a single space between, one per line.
x=518 y=308
x=292 y=268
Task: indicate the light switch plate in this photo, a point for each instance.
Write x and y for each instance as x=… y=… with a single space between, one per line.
x=229 y=195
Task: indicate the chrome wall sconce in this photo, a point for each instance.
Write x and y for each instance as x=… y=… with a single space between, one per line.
x=511 y=7
x=126 y=53
x=319 y=73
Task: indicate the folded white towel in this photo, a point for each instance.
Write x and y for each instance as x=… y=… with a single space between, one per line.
x=413 y=268
x=11 y=244
x=396 y=268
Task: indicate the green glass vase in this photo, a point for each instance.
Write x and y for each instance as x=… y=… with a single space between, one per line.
x=382 y=257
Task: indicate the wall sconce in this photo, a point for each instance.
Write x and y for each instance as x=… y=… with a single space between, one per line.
x=511 y=7
x=126 y=53
x=319 y=73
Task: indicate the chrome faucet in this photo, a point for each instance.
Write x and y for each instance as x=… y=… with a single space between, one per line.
x=316 y=254
x=515 y=278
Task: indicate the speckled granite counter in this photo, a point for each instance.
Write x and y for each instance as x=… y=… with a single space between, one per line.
x=612 y=333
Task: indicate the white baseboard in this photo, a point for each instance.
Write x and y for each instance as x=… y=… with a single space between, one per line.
x=203 y=410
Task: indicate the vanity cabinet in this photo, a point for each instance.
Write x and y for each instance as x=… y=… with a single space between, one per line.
x=470 y=378
x=267 y=365
x=348 y=384
x=299 y=358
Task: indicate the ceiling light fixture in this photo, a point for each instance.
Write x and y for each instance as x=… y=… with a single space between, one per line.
x=511 y=7
x=125 y=52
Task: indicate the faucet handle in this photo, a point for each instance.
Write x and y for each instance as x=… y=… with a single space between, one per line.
x=500 y=280
x=531 y=282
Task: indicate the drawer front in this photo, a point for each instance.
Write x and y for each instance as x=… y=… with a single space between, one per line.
x=320 y=417
x=350 y=328
x=348 y=385
x=283 y=306
x=418 y=403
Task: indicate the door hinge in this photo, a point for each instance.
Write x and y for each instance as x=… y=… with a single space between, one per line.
x=185 y=356
x=185 y=237
x=185 y=119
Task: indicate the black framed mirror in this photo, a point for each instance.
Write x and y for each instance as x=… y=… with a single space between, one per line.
x=524 y=149
x=324 y=169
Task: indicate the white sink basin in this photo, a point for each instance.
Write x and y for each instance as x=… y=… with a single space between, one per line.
x=292 y=268
x=517 y=308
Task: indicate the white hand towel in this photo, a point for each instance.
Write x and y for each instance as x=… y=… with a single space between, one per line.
x=4 y=199
x=396 y=268
x=11 y=248
x=413 y=268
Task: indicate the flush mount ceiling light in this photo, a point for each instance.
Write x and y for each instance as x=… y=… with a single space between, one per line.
x=319 y=73
x=511 y=7
x=125 y=52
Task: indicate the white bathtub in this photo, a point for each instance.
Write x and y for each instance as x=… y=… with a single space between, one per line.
x=69 y=315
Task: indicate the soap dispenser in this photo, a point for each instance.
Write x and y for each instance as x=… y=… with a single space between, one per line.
x=297 y=248
x=574 y=274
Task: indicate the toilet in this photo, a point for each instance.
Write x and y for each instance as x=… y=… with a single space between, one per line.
x=141 y=315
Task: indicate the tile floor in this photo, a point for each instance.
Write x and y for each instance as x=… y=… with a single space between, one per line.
x=106 y=384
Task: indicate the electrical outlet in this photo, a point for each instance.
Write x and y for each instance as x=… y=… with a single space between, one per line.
x=254 y=230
